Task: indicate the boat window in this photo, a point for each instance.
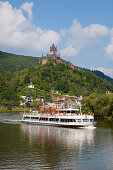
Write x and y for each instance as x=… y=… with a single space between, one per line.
x=44 y=118
x=78 y=120
x=54 y=119
x=26 y=117
x=61 y=111
x=71 y=120
x=85 y=120
x=73 y=111
x=91 y=120
x=67 y=120
x=34 y=118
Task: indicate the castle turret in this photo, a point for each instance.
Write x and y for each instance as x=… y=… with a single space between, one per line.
x=53 y=50
x=52 y=56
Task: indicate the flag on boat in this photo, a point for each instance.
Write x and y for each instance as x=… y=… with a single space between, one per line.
x=50 y=110
x=56 y=110
x=38 y=109
x=44 y=110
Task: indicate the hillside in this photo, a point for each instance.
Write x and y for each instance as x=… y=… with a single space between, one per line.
x=64 y=79
x=103 y=76
x=13 y=62
x=8 y=89
x=47 y=79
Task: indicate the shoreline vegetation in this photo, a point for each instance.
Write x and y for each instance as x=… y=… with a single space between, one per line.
x=21 y=109
x=101 y=105
x=17 y=109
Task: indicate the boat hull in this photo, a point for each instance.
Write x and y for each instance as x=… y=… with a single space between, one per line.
x=63 y=120
x=60 y=124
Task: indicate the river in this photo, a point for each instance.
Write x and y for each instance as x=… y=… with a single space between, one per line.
x=25 y=146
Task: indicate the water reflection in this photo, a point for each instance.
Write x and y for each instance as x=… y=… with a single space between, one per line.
x=65 y=136
x=56 y=145
x=25 y=146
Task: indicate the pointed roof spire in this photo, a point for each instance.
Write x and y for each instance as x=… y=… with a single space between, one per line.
x=53 y=46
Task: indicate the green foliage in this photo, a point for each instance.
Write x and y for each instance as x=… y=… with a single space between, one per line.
x=8 y=90
x=51 y=76
x=27 y=79
x=35 y=103
x=101 y=105
x=12 y=62
x=103 y=76
x=9 y=107
x=66 y=80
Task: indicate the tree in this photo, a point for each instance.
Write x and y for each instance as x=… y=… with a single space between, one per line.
x=34 y=103
x=27 y=79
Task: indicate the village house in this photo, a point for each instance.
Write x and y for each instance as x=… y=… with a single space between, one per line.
x=31 y=85
x=40 y=98
x=68 y=102
x=74 y=103
x=26 y=100
x=60 y=104
x=79 y=101
x=59 y=98
x=50 y=104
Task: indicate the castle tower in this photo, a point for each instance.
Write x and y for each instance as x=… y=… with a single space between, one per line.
x=53 y=50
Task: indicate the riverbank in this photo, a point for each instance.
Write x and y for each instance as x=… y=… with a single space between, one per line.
x=14 y=110
x=20 y=109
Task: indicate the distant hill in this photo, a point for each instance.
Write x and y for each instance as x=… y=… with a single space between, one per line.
x=103 y=76
x=13 y=62
x=65 y=79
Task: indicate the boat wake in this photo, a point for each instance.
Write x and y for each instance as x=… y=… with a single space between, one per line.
x=17 y=121
x=88 y=127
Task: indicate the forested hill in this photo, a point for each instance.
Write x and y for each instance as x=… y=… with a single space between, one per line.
x=48 y=79
x=103 y=76
x=13 y=62
x=61 y=77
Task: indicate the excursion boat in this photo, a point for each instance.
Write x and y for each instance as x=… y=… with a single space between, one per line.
x=62 y=117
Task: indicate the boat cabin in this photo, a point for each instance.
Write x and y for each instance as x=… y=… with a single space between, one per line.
x=68 y=111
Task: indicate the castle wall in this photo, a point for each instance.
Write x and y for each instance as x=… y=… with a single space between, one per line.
x=44 y=61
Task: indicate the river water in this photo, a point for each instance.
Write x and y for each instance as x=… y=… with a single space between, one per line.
x=25 y=146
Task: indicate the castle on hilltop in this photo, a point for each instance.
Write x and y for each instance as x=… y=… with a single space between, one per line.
x=53 y=56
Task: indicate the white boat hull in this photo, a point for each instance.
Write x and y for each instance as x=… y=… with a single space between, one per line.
x=37 y=119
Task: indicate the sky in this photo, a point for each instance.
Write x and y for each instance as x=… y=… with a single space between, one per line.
x=82 y=30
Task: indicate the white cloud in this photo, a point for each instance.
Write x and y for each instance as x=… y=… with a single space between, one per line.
x=27 y=7
x=95 y=30
x=109 y=50
x=17 y=32
x=79 y=36
x=69 y=51
x=82 y=35
x=106 y=71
